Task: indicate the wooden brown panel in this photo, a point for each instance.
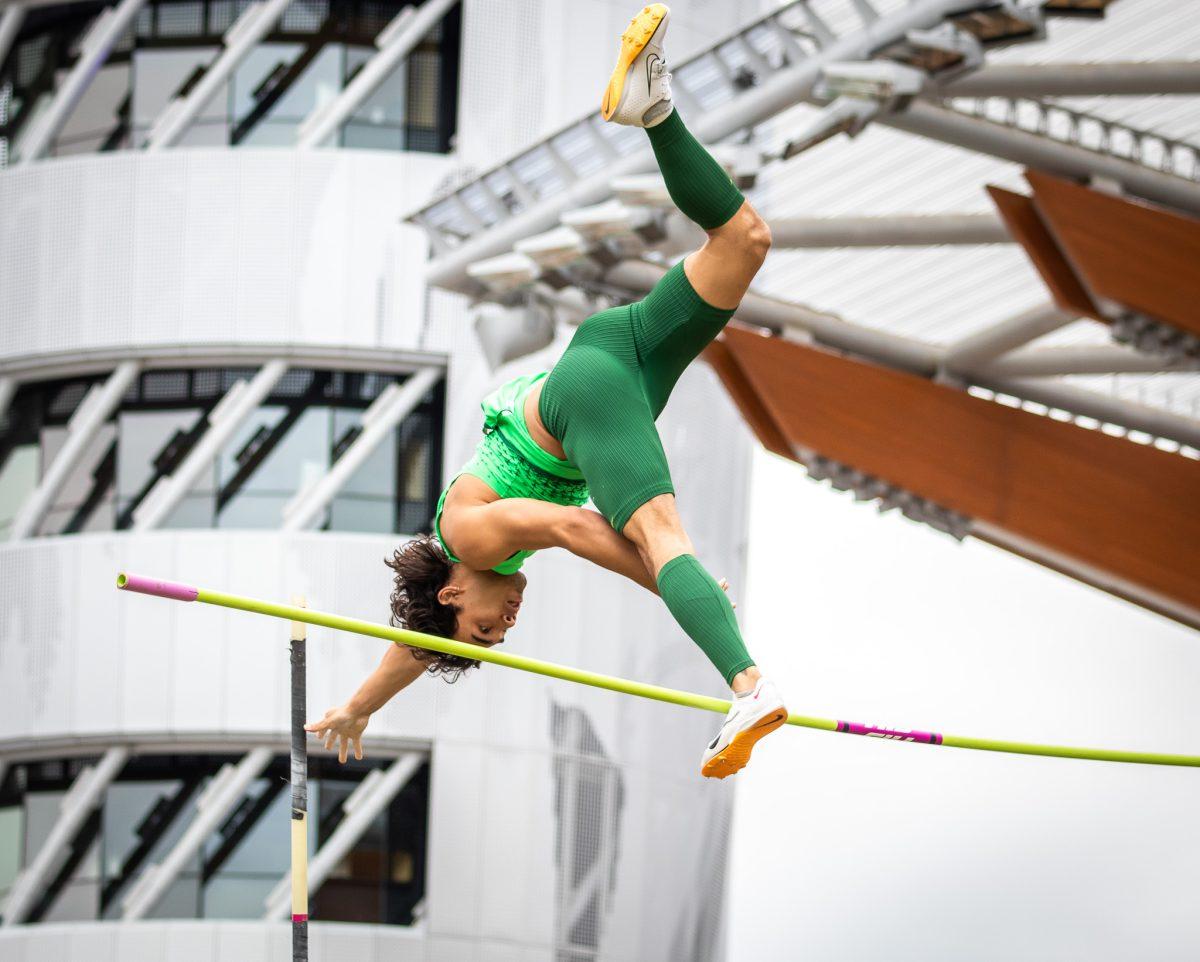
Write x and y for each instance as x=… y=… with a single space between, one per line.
x=1026 y=227
x=1117 y=507
x=1142 y=256
x=744 y=396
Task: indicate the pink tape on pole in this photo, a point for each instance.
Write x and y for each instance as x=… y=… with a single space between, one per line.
x=854 y=728
x=152 y=586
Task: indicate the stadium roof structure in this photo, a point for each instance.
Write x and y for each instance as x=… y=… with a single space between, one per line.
x=981 y=304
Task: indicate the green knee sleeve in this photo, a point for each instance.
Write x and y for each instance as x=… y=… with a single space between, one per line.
x=702 y=610
x=697 y=184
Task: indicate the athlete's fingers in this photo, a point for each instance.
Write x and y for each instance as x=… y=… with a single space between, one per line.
x=330 y=738
x=343 y=746
x=358 y=748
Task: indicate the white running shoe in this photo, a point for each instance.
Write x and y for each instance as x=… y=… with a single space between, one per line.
x=639 y=92
x=753 y=715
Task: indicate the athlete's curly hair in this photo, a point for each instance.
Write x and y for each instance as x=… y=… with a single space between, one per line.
x=422 y=570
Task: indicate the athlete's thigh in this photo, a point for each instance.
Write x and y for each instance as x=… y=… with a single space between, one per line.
x=602 y=356
x=595 y=403
x=611 y=437
x=672 y=325
x=622 y=458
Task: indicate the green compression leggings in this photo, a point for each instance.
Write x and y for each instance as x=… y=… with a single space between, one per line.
x=601 y=401
x=605 y=393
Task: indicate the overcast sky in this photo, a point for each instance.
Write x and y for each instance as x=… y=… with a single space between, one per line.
x=854 y=849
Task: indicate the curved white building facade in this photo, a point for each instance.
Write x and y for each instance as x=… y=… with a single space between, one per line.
x=219 y=364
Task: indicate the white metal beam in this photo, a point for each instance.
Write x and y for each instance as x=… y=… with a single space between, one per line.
x=95 y=408
x=373 y=794
x=77 y=804
x=255 y=23
x=1079 y=80
x=984 y=346
x=392 y=406
x=10 y=26
x=231 y=411
x=105 y=31
x=816 y=233
x=220 y=796
x=898 y=230
x=396 y=43
x=1081 y=359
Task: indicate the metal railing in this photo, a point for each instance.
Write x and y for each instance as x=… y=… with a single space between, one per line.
x=1109 y=138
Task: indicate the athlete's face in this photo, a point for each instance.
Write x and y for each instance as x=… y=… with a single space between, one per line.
x=487 y=603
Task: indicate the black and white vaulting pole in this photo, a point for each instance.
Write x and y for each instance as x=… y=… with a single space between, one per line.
x=299 y=768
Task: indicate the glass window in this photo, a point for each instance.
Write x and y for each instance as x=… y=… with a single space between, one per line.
x=129 y=809
x=78 y=899
x=366 y=501
x=307 y=60
x=88 y=487
x=268 y=460
x=99 y=114
x=159 y=75
x=153 y=801
x=353 y=891
x=246 y=859
x=12 y=832
x=143 y=821
x=270 y=101
x=149 y=445
x=311 y=418
x=19 y=475
x=41 y=812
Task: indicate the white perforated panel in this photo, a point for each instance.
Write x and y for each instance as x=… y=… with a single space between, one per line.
x=204 y=246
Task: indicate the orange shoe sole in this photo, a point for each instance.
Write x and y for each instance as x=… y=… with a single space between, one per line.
x=641 y=28
x=737 y=753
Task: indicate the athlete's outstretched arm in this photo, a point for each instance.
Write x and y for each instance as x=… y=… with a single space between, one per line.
x=344 y=725
x=485 y=535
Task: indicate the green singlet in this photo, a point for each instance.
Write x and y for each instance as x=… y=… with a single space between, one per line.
x=512 y=464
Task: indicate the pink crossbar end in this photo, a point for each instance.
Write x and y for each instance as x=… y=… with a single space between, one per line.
x=299 y=918
x=152 y=586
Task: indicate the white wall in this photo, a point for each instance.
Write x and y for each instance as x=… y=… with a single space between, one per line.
x=208 y=246
x=207 y=942
x=531 y=66
x=79 y=659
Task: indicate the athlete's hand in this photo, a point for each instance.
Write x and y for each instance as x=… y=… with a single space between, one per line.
x=342 y=726
x=724 y=583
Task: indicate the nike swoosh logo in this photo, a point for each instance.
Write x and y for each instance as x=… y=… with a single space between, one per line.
x=650 y=71
x=721 y=731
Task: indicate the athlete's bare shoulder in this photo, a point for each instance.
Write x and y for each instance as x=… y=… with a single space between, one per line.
x=468 y=491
